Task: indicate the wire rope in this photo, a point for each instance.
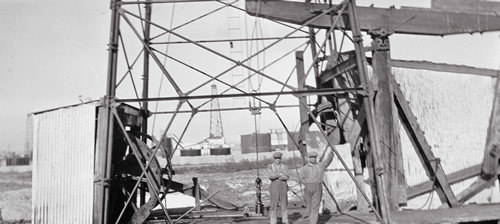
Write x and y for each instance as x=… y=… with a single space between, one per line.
x=164 y=65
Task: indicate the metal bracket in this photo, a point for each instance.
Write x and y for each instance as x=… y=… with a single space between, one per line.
x=102 y=181
x=357 y=39
x=379 y=171
x=380 y=39
x=113 y=47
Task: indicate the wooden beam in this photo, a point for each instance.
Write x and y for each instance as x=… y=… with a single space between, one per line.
x=476 y=187
x=329 y=73
x=385 y=112
x=482 y=213
x=442 y=67
x=452 y=178
x=405 y=21
x=430 y=163
x=492 y=147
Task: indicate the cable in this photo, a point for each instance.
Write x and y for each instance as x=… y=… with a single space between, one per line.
x=164 y=65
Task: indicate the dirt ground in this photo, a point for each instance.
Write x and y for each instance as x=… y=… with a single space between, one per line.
x=239 y=187
x=15 y=195
x=236 y=187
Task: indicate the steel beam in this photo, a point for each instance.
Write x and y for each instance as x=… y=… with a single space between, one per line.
x=145 y=85
x=104 y=147
x=370 y=113
x=418 y=21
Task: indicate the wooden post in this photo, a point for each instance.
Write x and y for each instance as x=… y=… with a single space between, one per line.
x=304 y=117
x=386 y=112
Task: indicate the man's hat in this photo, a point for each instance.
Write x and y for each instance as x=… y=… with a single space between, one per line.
x=277 y=155
x=312 y=154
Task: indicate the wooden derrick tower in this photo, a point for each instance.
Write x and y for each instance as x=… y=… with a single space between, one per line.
x=380 y=102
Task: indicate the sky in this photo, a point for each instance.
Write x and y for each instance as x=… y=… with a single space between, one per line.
x=52 y=51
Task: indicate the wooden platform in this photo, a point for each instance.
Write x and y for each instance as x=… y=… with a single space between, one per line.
x=466 y=214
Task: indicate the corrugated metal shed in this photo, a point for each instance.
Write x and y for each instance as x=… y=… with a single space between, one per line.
x=63 y=143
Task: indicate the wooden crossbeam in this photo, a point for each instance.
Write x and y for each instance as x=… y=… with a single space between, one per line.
x=452 y=178
x=442 y=67
x=418 y=21
x=423 y=149
x=337 y=70
x=476 y=187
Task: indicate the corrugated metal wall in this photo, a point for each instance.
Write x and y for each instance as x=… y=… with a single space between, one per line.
x=453 y=110
x=63 y=165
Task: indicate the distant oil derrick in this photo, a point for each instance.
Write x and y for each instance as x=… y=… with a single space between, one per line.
x=216 y=131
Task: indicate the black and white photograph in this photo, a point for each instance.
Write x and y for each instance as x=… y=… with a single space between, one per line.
x=249 y=111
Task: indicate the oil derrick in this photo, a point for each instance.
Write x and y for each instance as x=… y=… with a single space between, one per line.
x=216 y=130
x=346 y=94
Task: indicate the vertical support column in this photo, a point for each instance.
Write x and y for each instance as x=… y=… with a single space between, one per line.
x=104 y=147
x=385 y=111
x=303 y=110
x=370 y=112
x=196 y=193
x=145 y=85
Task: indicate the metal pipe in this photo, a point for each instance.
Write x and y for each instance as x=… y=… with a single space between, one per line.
x=222 y=109
x=161 y=1
x=259 y=207
x=370 y=111
x=357 y=90
x=227 y=40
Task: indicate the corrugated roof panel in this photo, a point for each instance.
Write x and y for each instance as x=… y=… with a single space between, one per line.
x=63 y=165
